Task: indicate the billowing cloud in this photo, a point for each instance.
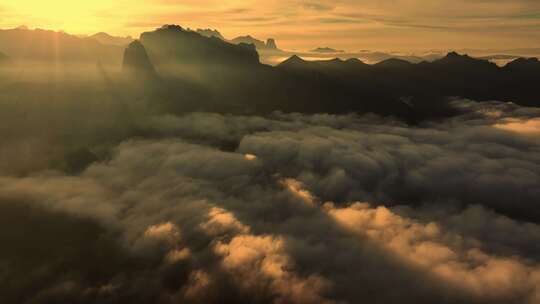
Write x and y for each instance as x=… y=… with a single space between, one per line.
x=527 y=126
x=296 y=209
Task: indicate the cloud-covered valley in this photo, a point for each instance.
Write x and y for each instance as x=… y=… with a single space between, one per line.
x=287 y=208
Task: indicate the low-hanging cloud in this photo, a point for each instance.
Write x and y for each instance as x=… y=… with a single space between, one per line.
x=289 y=208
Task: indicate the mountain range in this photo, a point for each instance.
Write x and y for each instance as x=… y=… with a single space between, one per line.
x=49 y=46
x=210 y=33
x=269 y=46
x=172 y=44
x=327 y=50
x=178 y=70
x=233 y=80
x=105 y=38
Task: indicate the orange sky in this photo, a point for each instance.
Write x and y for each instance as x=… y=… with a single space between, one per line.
x=347 y=24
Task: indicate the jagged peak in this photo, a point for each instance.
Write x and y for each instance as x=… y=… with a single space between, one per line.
x=248 y=38
x=172 y=27
x=355 y=61
x=208 y=32
x=524 y=63
x=173 y=43
x=293 y=60
x=271 y=43
x=101 y=34
x=393 y=62
x=456 y=56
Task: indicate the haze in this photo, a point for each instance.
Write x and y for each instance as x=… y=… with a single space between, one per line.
x=347 y=24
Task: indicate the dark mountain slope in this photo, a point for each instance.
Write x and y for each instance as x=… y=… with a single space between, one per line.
x=453 y=75
x=232 y=80
x=136 y=59
x=171 y=44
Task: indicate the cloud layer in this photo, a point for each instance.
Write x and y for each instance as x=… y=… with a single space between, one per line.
x=295 y=209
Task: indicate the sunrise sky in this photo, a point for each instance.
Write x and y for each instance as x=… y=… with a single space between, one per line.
x=297 y=24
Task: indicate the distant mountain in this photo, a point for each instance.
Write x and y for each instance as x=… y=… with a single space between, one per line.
x=452 y=75
x=393 y=63
x=326 y=50
x=298 y=64
x=365 y=56
x=210 y=33
x=105 y=38
x=375 y=57
x=294 y=62
x=249 y=40
x=524 y=64
x=498 y=57
x=456 y=61
x=355 y=62
x=171 y=44
x=198 y=73
x=269 y=45
x=210 y=74
x=51 y=46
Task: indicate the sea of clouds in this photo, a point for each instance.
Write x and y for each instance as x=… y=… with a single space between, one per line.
x=289 y=208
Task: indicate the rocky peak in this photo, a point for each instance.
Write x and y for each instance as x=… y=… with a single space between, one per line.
x=136 y=58
x=271 y=44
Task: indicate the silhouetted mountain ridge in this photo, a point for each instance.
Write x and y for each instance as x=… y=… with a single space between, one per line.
x=296 y=63
x=51 y=46
x=269 y=45
x=455 y=61
x=105 y=38
x=326 y=50
x=210 y=33
x=337 y=86
x=393 y=63
x=328 y=86
x=524 y=64
x=173 y=44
